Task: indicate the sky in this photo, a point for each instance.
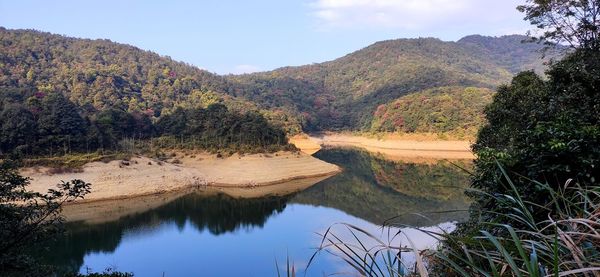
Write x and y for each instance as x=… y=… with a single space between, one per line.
x=242 y=36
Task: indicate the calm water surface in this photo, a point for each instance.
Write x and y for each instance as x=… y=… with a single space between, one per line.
x=216 y=235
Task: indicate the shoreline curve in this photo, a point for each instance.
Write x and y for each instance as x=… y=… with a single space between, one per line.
x=143 y=176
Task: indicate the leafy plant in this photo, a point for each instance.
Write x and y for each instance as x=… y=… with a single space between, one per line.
x=566 y=242
x=28 y=218
x=572 y=22
x=546 y=130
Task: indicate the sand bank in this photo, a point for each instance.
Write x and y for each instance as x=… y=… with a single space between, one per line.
x=145 y=176
x=392 y=148
x=306 y=144
x=111 y=210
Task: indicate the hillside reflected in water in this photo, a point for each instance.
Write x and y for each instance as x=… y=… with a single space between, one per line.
x=371 y=189
x=376 y=189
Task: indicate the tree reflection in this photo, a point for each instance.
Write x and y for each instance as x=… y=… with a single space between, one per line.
x=370 y=187
x=376 y=189
x=217 y=214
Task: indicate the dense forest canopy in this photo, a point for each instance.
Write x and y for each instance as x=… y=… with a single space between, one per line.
x=60 y=95
x=344 y=94
x=97 y=75
x=36 y=123
x=103 y=82
x=456 y=110
x=102 y=74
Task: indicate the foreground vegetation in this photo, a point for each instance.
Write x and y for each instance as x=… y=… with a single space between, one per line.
x=29 y=219
x=535 y=179
x=565 y=244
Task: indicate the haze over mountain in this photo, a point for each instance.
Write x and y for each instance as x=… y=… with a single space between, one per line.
x=342 y=94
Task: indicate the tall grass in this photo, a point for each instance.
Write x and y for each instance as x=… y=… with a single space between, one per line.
x=369 y=255
x=290 y=269
x=566 y=243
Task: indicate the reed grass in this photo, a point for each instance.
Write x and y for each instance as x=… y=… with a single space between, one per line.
x=567 y=243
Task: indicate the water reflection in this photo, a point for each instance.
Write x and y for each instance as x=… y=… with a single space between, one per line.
x=181 y=231
x=376 y=189
x=217 y=214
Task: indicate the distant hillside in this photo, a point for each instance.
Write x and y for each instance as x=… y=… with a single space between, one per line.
x=455 y=110
x=502 y=51
x=61 y=95
x=344 y=93
x=101 y=74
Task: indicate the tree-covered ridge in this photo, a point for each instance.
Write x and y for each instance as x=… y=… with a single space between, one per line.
x=456 y=110
x=342 y=94
x=100 y=74
x=501 y=51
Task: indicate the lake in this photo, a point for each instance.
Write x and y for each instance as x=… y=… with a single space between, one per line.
x=208 y=234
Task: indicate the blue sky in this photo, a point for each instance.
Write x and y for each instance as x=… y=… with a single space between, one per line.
x=227 y=36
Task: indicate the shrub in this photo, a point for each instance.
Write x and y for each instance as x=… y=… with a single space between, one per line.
x=547 y=130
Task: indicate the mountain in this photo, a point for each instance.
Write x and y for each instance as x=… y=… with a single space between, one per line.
x=513 y=52
x=61 y=95
x=100 y=74
x=344 y=93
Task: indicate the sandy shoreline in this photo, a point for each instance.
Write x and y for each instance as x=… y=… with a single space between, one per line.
x=239 y=176
x=108 y=210
x=144 y=176
x=395 y=149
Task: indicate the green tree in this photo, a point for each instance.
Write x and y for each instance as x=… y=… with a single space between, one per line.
x=61 y=127
x=540 y=130
x=546 y=130
x=18 y=127
x=174 y=123
x=574 y=22
x=28 y=218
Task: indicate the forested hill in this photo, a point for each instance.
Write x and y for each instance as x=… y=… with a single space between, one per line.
x=344 y=93
x=60 y=95
x=101 y=74
x=509 y=52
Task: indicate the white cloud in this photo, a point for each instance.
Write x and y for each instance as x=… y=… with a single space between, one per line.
x=245 y=68
x=410 y=14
